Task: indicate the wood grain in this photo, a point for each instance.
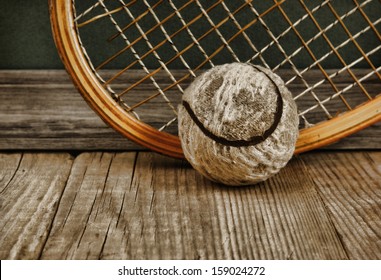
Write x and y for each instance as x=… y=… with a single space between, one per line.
x=163 y=209
x=41 y=110
x=28 y=201
x=58 y=117
x=9 y=164
x=322 y=205
x=90 y=206
x=350 y=187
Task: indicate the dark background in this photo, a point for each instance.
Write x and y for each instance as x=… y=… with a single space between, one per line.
x=26 y=40
x=25 y=36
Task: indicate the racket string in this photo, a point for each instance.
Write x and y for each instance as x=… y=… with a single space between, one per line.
x=313 y=38
x=347 y=67
x=322 y=58
x=140 y=61
x=246 y=37
x=108 y=60
x=222 y=38
x=84 y=13
x=311 y=53
x=328 y=41
x=368 y=20
x=283 y=34
x=283 y=52
x=347 y=88
x=190 y=33
x=351 y=37
x=186 y=65
x=163 y=65
x=86 y=55
x=147 y=54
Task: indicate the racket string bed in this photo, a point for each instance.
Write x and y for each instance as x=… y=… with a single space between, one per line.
x=287 y=58
x=161 y=37
x=150 y=75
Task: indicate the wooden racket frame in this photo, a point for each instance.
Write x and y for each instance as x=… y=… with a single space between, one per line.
x=70 y=50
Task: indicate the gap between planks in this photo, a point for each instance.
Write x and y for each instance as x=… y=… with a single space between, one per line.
x=146 y=206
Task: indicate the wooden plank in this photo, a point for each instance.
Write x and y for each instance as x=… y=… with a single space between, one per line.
x=350 y=187
x=57 y=119
x=90 y=206
x=165 y=210
x=41 y=110
x=28 y=201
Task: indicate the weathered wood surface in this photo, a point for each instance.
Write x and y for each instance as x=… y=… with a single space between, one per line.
x=41 y=110
x=350 y=187
x=91 y=206
x=168 y=211
x=29 y=201
x=322 y=205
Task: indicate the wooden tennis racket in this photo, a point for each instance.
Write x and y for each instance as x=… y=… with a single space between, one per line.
x=160 y=46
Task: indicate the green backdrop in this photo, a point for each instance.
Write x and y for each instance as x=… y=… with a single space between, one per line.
x=26 y=41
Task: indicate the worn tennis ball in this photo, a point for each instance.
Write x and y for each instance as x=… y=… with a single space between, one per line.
x=238 y=124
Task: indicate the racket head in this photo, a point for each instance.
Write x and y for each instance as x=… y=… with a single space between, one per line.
x=111 y=105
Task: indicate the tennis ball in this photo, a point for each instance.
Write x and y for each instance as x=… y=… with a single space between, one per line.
x=238 y=124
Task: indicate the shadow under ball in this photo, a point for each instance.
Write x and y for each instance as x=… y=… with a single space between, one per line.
x=238 y=124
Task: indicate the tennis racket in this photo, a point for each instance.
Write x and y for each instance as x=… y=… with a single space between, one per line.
x=132 y=60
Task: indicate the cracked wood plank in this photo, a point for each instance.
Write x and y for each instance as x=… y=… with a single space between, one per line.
x=29 y=197
x=163 y=209
x=9 y=164
x=90 y=206
x=174 y=213
x=350 y=187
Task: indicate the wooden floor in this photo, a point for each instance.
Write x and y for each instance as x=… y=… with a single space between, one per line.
x=71 y=188
x=324 y=205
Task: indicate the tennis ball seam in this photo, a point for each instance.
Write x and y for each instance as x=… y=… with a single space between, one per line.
x=242 y=143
